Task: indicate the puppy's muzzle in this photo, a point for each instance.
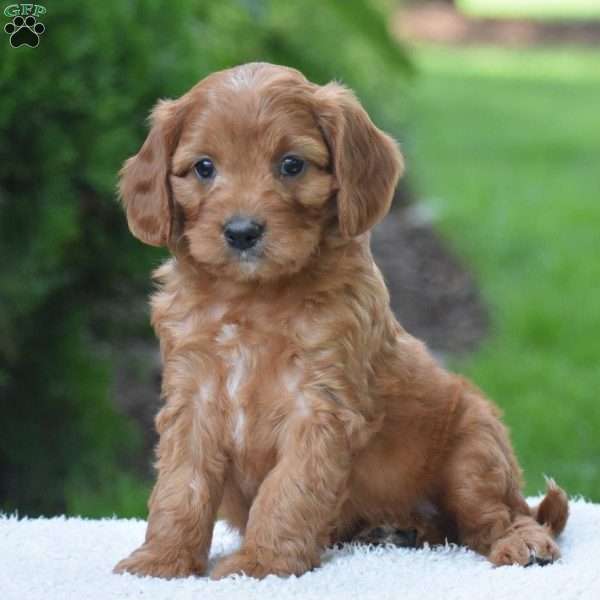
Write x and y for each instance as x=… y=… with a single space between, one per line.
x=242 y=233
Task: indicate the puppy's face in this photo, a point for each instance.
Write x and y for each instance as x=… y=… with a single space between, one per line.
x=251 y=174
x=248 y=170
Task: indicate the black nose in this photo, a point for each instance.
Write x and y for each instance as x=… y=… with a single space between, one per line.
x=242 y=233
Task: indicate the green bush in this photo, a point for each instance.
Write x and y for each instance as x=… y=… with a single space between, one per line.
x=71 y=110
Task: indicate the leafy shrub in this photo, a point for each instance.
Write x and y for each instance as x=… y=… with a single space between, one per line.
x=71 y=110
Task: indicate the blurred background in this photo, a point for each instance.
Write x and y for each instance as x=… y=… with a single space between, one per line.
x=491 y=252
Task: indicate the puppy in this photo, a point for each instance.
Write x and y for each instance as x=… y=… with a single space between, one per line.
x=295 y=405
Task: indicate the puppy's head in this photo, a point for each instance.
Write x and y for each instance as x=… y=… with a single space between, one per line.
x=252 y=167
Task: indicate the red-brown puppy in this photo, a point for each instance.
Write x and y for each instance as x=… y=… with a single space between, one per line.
x=295 y=404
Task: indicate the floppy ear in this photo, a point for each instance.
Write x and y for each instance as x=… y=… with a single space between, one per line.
x=366 y=162
x=144 y=179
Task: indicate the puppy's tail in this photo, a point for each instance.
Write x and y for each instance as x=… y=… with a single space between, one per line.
x=553 y=510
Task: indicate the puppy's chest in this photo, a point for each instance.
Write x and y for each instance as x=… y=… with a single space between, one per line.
x=253 y=372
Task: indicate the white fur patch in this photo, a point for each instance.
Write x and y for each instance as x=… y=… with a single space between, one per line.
x=237 y=370
x=238 y=429
x=291 y=381
x=205 y=392
x=303 y=407
x=195 y=484
x=228 y=333
x=237 y=359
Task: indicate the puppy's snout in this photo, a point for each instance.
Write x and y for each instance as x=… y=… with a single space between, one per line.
x=242 y=233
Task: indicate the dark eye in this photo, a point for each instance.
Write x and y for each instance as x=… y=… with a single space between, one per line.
x=205 y=169
x=291 y=166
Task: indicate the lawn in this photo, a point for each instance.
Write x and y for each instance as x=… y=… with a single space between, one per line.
x=505 y=148
x=540 y=9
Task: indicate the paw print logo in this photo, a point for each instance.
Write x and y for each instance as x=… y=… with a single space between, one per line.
x=24 y=32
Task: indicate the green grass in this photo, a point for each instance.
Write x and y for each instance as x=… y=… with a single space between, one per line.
x=506 y=147
x=536 y=9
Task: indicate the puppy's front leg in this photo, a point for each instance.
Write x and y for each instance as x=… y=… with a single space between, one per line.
x=296 y=502
x=185 y=499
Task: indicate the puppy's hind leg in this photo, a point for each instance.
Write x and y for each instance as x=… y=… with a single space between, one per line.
x=535 y=531
x=482 y=493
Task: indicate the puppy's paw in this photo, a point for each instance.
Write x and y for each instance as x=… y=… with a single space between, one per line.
x=525 y=548
x=152 y=562
x=246 y=562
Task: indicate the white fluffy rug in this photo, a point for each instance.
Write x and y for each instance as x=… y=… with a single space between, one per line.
x=72 y=559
